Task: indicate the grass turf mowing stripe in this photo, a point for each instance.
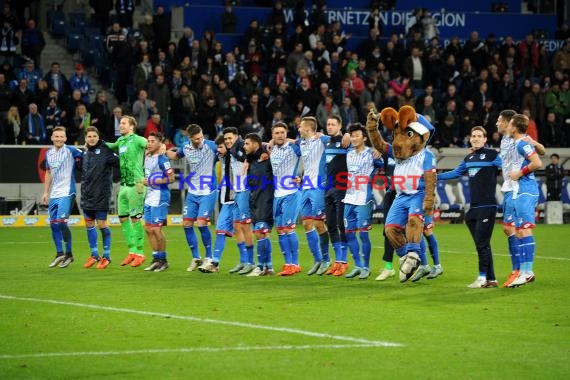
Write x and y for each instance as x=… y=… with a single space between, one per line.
x=206 y=320
x=191 y=349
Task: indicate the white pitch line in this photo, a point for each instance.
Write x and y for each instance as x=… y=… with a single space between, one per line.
x=190 y=349
x=206 y=320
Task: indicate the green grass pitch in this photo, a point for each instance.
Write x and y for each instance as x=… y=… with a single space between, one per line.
x=124 y=323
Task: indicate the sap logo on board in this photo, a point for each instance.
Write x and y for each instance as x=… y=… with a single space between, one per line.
x=176 y=220
x=8 y=221
x=73 y=221
x=114 y=220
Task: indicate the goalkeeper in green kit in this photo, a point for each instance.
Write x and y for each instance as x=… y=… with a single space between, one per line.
x=130 y=203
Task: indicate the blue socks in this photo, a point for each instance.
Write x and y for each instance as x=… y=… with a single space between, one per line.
x=106 y=234
x=264 y=253
x=366 y=248
x=433 y=249
x=294 y=245
x=324 y=240
x=250 y=254
x=526 y=246
x=242 y=252
x=66 y=234
x=159 y=255
x=402 y=251
x=352 y=242
x=314 y=244
x=206 y=239
x=337 y=248
x=57 y=237
x=92 y=239
x=422 y=252
x=192 y=241
x=514 y=252
x=285 y=248
x=219 y=246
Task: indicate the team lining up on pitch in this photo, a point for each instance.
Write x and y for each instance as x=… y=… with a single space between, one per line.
x=339 y=215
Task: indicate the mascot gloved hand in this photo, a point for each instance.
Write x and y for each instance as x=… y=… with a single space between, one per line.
x=414 y=181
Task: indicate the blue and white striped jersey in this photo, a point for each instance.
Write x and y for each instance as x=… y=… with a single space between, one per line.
x=527 y=183
x=285 y=162
x=511 y=161
x=157 y=195
x=201 y=161
x=409 y=173
x=61 y=164
x=314 y=161
x=361 y=165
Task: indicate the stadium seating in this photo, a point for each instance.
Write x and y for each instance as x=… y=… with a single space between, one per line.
x=448 y=196
x=541 y=194
x=565 y=194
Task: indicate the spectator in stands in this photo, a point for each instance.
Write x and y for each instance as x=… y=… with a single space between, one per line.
x=468 y=118
x=31 y=74
x=233 y=113
x=398 y=83
x=298 y=37
x=429 y=27
x=255 y=110
x=162 y=27
x=407 y=98
x=534 y=101
x=125 y=10
x=561 y=58
x=160 y=93
x=52 y=115
x=428 y=109
x=142 y=109
x=415 y=69
x=371 y=93
x=57 y=81
x=325 y=109
x=207 y=113
x=121 y=61
x=154 y=125
x=33 y=42
x=505 y=93
x=81 y=121
x=11 y=126
x=551 y=133
x=488 y=116
x=5 y=96
x=532 y=129
x=229 y=20
x=185 y=43
x=101 y=9
x=528 y=56
x=70 y=106
x=142 y=73
x=348 y=112
x=33 y=130
x=554 y=176
x=557 y=101
x=8 y=42
x=22 y=96
x=115 y=34
x=147 y=29
x=184 y=106
x=100 y=113
x=80 y=81
x=8 y=14
x=474 y=50
x=114 y=130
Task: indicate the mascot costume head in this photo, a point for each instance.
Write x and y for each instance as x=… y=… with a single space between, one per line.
x=411 y=133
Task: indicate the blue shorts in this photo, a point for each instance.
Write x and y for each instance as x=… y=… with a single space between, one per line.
x=262 y=227
x=226 y=218
x=199 y=207
x=525 y=204
x=404 y=206
x=285 y=210
x=242 y=205
x=312 y=204
x=509 y=214
x=155 y=216
x=60 y=208
x=90 y=215
x=428 y=222
x=358 y=217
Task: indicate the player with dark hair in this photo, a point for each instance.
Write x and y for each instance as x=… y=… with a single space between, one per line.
x=59 y=189
x=96 y=184
x=482 y=165
x=202 y=193
x=158 y=174
x=261 y=186
x=130 y=201
x=358 y=199
x=525 y=197
x=284 y=163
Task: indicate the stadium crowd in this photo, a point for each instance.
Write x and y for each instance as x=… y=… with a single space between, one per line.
x=279 y=76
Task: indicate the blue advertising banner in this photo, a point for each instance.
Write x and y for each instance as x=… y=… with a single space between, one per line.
x=355 y=21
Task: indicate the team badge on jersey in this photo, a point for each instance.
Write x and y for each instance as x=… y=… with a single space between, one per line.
x=482 y=156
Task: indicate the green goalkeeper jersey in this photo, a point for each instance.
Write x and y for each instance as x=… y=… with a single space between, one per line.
x=131 y=150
